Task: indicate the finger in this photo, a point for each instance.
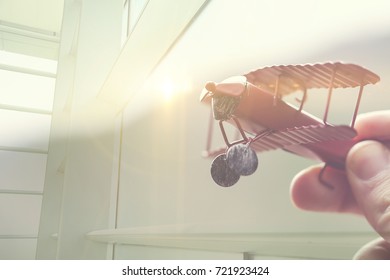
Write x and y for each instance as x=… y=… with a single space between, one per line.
x=378 y=249
x=368 y=170
x=373 y=125
x=308 y=193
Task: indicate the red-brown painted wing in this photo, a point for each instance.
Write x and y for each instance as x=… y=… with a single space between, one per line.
x=303 y=135
x=295 y=77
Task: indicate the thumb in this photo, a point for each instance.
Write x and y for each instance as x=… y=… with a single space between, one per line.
x=368 y=170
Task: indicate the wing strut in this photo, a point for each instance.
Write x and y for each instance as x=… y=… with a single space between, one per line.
x=357 y=105
x=329 y=95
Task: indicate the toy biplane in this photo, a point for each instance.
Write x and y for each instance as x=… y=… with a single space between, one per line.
x=254 y=104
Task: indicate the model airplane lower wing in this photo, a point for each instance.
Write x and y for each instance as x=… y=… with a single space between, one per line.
x=302 y=135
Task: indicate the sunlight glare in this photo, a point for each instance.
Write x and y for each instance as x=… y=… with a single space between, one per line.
x=165 y=88
x=168 y=89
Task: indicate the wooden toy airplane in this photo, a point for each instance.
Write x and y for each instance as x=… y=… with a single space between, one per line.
x=254 y=104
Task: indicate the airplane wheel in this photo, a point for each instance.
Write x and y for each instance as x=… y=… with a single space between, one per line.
x=242 y=159
x=222 y=174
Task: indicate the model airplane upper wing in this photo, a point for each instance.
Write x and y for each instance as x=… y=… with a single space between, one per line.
x=289 y=78
x=302 y=135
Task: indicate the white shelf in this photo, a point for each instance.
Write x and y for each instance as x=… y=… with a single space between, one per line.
x=292 y=245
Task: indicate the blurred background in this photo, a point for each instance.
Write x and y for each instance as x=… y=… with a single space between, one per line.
x=102 y=129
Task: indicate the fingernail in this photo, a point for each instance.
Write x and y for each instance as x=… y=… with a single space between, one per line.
x=367 y=159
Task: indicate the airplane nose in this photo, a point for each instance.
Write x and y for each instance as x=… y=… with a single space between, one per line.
x=211 y=87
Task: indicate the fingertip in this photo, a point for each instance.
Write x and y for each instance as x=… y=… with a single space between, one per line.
x=308 y=193
x=368 y=169
x=378 y=249
x=366 y=159
x=373 y=125
x=301 y=188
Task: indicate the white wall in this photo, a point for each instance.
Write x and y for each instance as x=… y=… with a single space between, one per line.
x=163 y=178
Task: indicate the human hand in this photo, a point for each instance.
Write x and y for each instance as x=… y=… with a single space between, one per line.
x=363 y=188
